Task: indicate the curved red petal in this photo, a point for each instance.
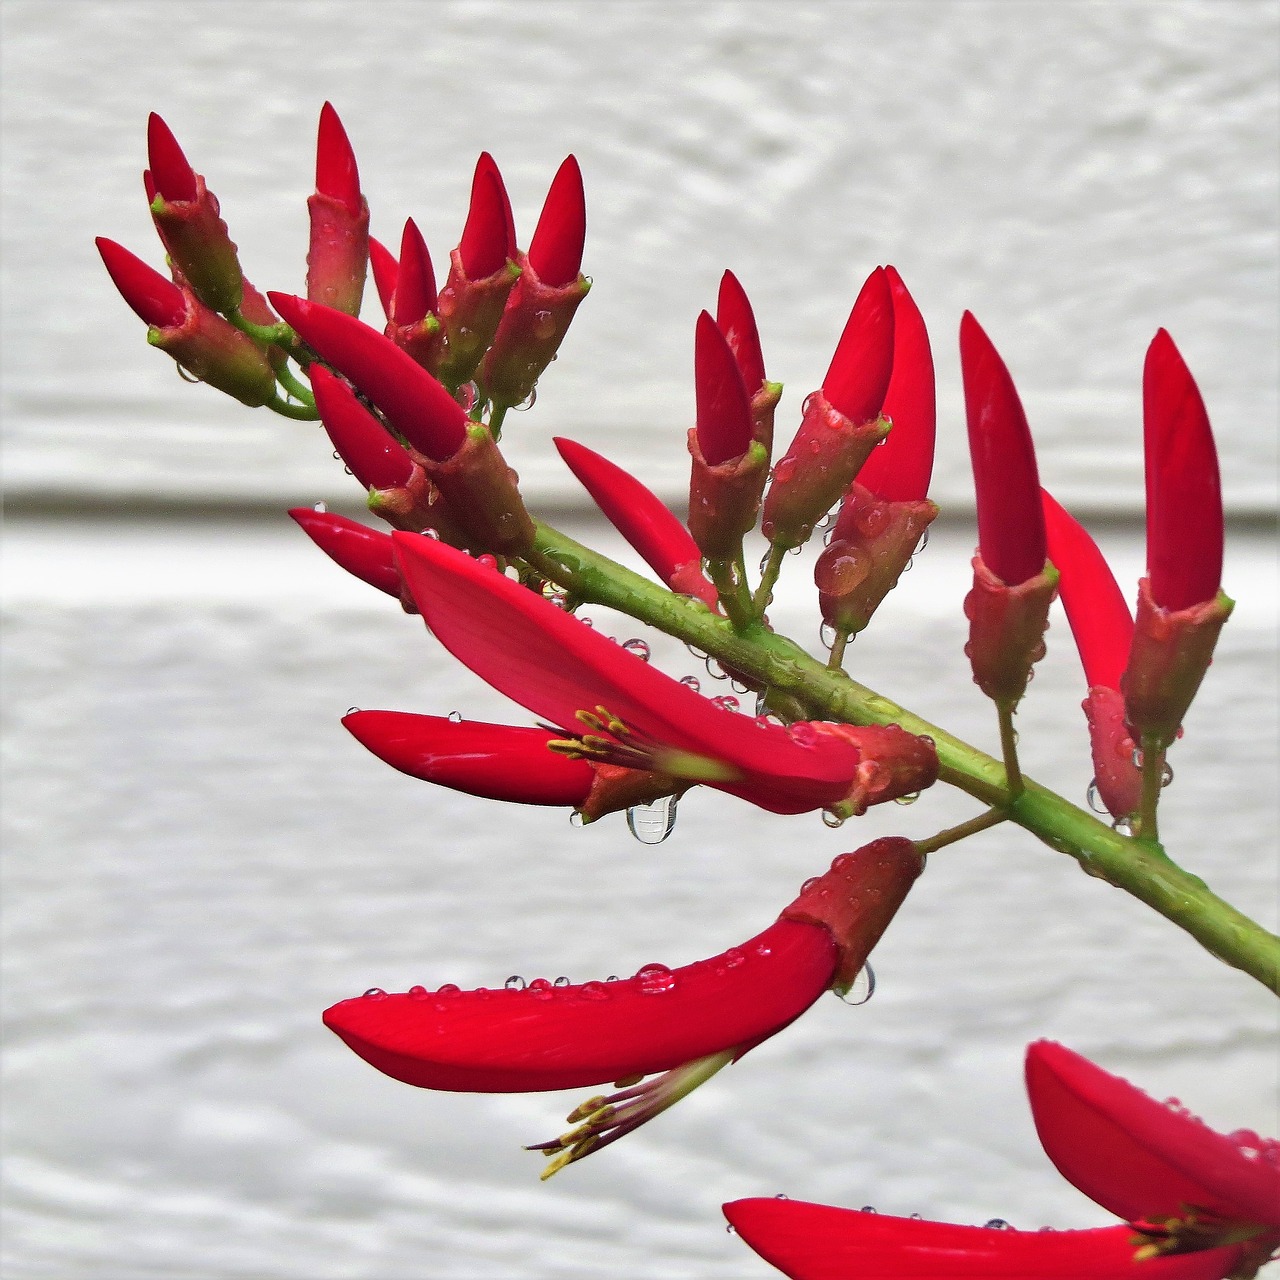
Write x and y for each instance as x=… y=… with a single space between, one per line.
x=736 y=320
x=723 y=408
x=336 y=174
x=664 y=544
x=899 y=470
x=1184 y=493
x=820 y=1242
x=171 y=174
x=496 y=761
x=385 y=268
x=555 y=252
x=1007 y=485
x=1096 y=608
x=363 y=552
x=548 y=1037
x=415 y=295
x=555 y=666
x=1140 y=1158
x=376 y=458
x=415 y=404
x=155 y=300
x=863 y=361
x=486 y=237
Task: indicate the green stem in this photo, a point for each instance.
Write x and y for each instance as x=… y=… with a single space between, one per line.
x=836 y=661
x=970 y=828
x=1009 y=748
x=778 y=664
x=1152 y=778
x=302 y=412
x=732 y=590
x=768 y=579
x=279 y=334
x=298 y=390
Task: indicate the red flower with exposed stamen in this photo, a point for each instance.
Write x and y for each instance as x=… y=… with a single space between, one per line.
x=617 y=708
x=642 y=518
x=363 y=552
x=1200 y=1205
x=682 y=1024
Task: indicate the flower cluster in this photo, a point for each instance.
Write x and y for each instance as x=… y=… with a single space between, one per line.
x=415 y=408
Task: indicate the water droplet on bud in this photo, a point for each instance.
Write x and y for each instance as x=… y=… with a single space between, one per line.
x=637 y=648
x=652 y=823
x=864 y=987
x=514 y=983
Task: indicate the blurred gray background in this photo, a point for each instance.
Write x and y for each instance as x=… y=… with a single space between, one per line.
x=198 y=859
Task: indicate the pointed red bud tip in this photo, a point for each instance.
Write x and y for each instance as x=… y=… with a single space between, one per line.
x=487 y=237
x=1010 y=521
x=736 y=320
x=415 y=404
x=555 y=252
x=494 y=761
x=336 y=174
x=375 y=458
x=155 y=299
x=1096 y=609
x=171 y=176
x=1184 y=494
x=487 y=164
x=643 y=519
x=863 y=361
x=821 y=1242
x=724 y=409
x=364 y=553
x=385 y=269
x=1145 y=1160
x=415 y=294
x=899 y=470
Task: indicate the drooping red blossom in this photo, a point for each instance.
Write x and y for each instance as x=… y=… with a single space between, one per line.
x=555 y=252
x=154 y=298
x=900 y=468
x=736 y=320
x=1144 y=1160
x=1184 y=494
x=385 y=268
x=363 y=552
x=374 y=456
x=642 y=518
x=685 y=1023
x=862 y=364
x=634 y=715
x=415 y=404
x=723 y=403
x=821 y=1242
x=1010 y=524
x=415 y=290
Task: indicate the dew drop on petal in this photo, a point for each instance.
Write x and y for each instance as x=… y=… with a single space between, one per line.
x=1093 y=798
x=910 y=798
x=997 y=1224
x=455 y=717
x=593 y=991
x=715 y=670
x=1166 y=775
x=320 y=507
x=691 y=682
x=375 y=993
x=652 y=823
x=637 y=648
x=864 y=987
x=577 y=820
x=727 y=702
x=540 y=989
x=417 y=993
x=1122 y=826
x=827 y=635
x=655 y=979
x=562 y=981
x=868 y=1208
x=449 y=989
x=515 y=983
x=917 y=1217
x=832 y=820
x=529 y=401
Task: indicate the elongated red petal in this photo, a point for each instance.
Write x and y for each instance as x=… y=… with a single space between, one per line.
x=640 y=516
x=736 y=320
x=375 y=457
x=724 y=410
x=155 y=299
x=548 y=1037
x=336 y=174
x=486 y=237
x=555 y=252
x=863 y=361
x=385 y=268
x=1184 y=494
x=1096 y=608
x=497 y=761
x=415 y=404
x=415 y=294
x=899 y=470
x=820 y=1242
x=1010 y=522
x=1140 y=1158
x=363 y=552
x=555 y=666
x=171 y=176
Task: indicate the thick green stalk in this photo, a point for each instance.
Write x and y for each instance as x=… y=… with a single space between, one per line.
x=780 y=665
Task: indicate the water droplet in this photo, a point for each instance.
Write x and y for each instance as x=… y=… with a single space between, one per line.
x=320 y=507
x=733 y=958
x=910 y=798
x=514 y=983
x=803 y=734
x=997 y=1224
x=593 y=991
x=455 y=717
x=655 y=979
x=637 y=648
x=868 y=1208
x=433 y=534
x=864 y=987
x=917 y=1216
x=449 y=989
x=781 y=1195
x=186 y=375
x=544 y=324
x=468 y=393
x=528 y=402
x=729 y=1229
x=1093 y=798
x=794 y=551
x=715 y=670
x=827 y=635
x=352 y=710
x=540 y=989
x=576 y=819
x=924 y=542
x=726 y=702
x=375 y=993
x=691 y=682
x=1122 y=827
x=764 y=564
x=832 y=820
x=418 y=993
x=652 y=823
x=1136 y=757
x=613 y=977
x=1166 y=775
x=562 y=981
x=808 y=402
x=841 y=569
x=697 y=653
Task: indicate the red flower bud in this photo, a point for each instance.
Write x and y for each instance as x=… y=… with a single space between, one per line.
x=412 y=324
x=371 y=452
x=385 y=268
x=555 y=252
x=860 y=369
x=155 y=299
x=363 y=552
x=338 y=258
x=736 y=320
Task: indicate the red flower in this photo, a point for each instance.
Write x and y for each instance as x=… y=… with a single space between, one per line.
x=1201 y=1205
x=375 y=457
x=363 y=552
x=682 y=1024
x=625 y=712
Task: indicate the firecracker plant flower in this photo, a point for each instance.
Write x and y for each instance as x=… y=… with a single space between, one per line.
x=1197 y=1203
x=414 y=408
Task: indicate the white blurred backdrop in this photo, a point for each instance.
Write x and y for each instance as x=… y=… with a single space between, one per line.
x=198 y=859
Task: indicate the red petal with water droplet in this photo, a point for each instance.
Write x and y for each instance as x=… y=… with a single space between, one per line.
x=569 y=1037
x=1138 y=1157
x=820 y=1242
x=554 y=665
